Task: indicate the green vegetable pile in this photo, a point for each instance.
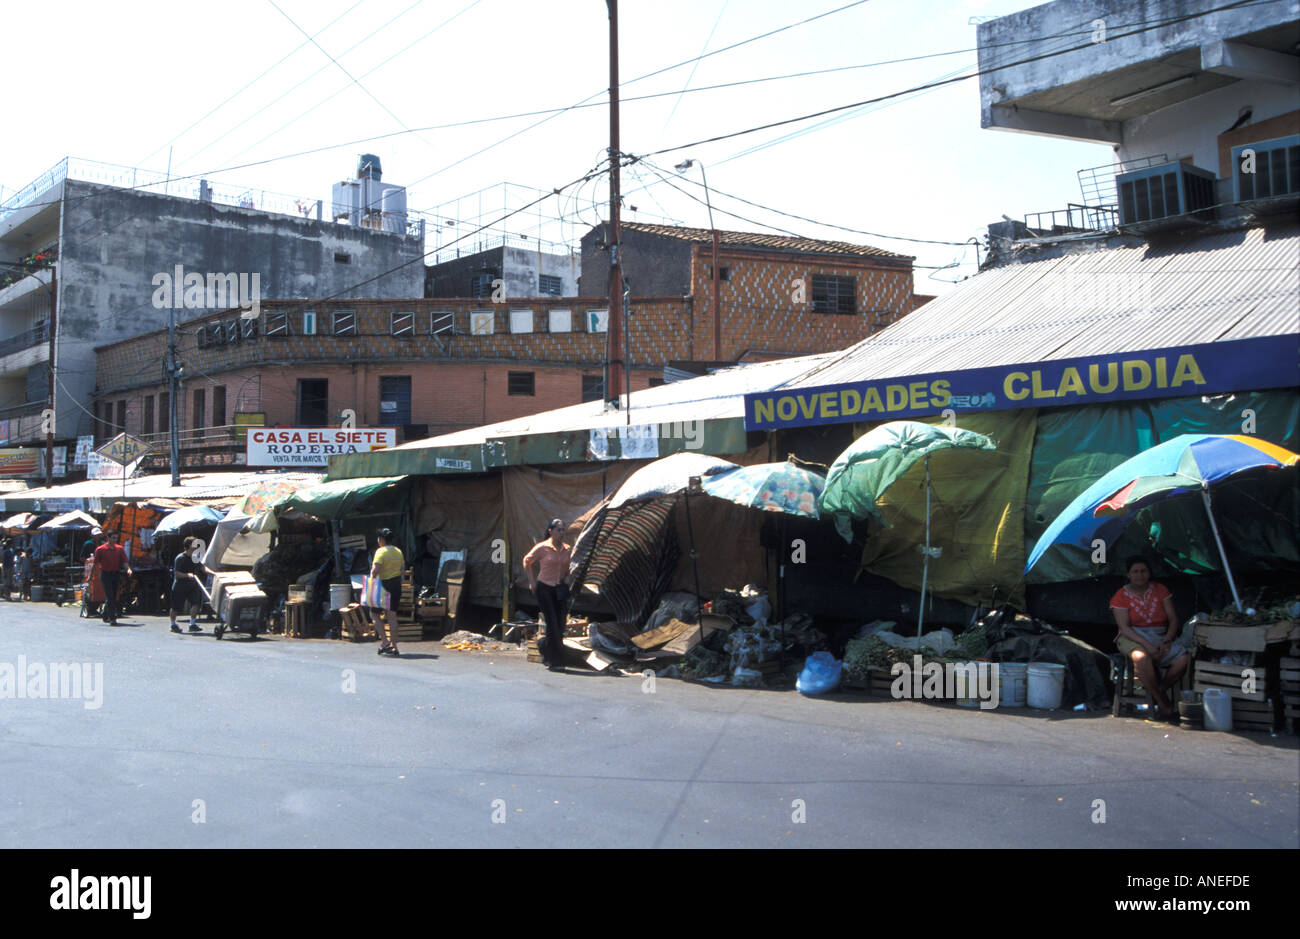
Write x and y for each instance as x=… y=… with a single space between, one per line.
x=971 y=644
x=701 y=662
x=862 y=655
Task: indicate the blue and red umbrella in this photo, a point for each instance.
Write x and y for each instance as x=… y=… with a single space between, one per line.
x=1186 y=464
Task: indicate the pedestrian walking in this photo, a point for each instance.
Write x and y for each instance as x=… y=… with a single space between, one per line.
x=550 y=584
x=384 y=590
x=111 y=559
x=6 y=570
x=23 y=567
x=186 y=595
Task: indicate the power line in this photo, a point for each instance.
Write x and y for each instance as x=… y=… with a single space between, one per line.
x=250 y=84
x=940 y=83
x=660 y=71
x=353 y=80
x=388 y=60
x=285 y=94
x=767 y=208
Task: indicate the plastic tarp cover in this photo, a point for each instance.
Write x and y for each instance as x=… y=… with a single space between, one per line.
x=343 y=497
x=534 y=495
x=463 y=513
x=727 y=544
x=976 y=515
x=1075 y=447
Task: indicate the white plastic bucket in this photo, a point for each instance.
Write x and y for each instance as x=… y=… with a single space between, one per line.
x=1012 y=680
x=1218 y=709
x=340 y=596
x=969 y=685
x=1046 y=685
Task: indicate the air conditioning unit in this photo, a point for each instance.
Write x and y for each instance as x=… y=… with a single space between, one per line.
x=1266 y=169
x=1164 y=191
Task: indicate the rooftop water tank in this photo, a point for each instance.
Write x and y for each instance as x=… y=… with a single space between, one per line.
x=368 y=167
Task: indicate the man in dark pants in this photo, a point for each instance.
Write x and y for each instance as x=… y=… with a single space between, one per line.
x=550 y=585
x=111 y=559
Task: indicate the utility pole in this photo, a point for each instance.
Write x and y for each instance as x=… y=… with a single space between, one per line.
x=49 y=416
x=614 y=354
x=172 y=408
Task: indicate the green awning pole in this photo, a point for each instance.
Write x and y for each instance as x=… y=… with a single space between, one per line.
x=1205 y=495
x=925 y=564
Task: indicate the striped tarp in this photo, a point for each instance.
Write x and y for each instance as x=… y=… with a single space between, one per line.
x=628 y=554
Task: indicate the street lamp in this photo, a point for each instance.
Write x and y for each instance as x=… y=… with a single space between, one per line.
x=682 y=167
x=717 y=318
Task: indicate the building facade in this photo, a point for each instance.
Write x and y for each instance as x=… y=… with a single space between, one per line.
x=91 y=260
x=775 y=295
x=516 y=268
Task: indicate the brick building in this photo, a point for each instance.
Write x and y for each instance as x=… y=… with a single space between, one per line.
x=434 y=365
x=776 y=295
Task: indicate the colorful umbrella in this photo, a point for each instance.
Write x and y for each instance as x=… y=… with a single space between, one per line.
x=1185 y=464
x=264 y=497
x=773 y=487
x=875 y=461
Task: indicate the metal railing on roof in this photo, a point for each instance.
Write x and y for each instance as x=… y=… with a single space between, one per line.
x=1097 y=183
x=1071 y=219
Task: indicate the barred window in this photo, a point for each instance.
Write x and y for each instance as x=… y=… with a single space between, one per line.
x=833 y=294
x=549 y=286
x=277 y=324
x=345 y=323
x=520 y=383
x=402 y=324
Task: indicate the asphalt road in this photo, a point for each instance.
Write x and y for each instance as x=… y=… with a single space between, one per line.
x=312 y=743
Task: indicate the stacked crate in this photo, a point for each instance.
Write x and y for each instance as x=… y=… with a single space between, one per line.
x=1290 y=676
x=356 y=625
x=1251 y=710
x=409 y=627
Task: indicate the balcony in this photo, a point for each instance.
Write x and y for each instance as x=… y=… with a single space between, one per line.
x=32 y=337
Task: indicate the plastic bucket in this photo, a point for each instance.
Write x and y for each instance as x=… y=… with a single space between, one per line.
x=1046 y=685
x=969 y=687
x=1012 y=680
x=340 y=596
x=1218 y=709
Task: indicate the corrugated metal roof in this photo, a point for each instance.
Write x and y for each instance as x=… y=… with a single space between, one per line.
x=1227 y=285
x=716 y=396
x=747 y=239
x=193 y=486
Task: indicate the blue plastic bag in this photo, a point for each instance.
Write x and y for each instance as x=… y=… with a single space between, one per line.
x=820 y=675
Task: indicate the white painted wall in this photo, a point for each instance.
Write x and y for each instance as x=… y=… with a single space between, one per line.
x=1192 y=128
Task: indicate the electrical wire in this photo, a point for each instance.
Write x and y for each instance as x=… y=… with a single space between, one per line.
x=250 y=84
x=940 y=83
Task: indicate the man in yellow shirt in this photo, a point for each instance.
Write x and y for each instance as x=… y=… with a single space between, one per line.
x=386 y=569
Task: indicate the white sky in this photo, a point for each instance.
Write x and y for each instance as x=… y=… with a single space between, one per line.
x=89 y=80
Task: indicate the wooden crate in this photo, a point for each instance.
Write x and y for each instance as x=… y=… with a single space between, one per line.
x=1252 y=715
x=356 y=626
x=1229 y=678
x=295 y=619
x=881 y=680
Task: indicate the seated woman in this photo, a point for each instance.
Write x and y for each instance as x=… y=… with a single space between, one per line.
x=1149 y=633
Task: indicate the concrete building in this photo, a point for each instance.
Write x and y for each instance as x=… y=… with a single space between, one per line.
x=1180 y=89
x=518 y=267
x=773 y=293
x=110 y=239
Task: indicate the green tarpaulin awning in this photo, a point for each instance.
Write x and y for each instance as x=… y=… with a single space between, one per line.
x=335 y=500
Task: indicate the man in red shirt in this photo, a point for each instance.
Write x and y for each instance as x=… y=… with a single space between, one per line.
x=550 y=586
x=111 y=559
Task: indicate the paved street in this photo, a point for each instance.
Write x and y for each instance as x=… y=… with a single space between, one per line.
x=260 y=741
